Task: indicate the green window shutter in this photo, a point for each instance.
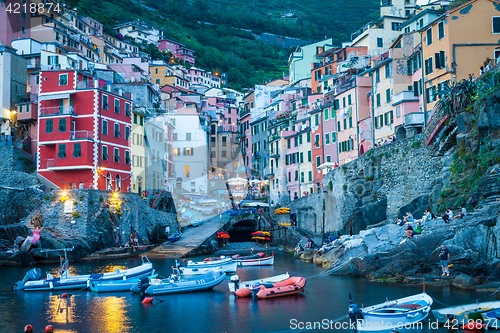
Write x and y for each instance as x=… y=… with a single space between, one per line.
x=338 y=126
x=309 y=156
x=310 y=176
x=333 y=112
x=350 y=122
x=326 y=114
x=62 y=151
x=408 y=67
x=345 y=123
x=391 y=116
x=77 y=150
x=334 y=137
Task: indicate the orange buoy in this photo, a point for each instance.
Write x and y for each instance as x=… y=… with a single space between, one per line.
x=28 y=329
x=49 y=329
x=148 y=300
x=64 y=295
x=473 y=325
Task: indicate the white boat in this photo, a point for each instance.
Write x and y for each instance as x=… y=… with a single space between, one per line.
x=33 y=280
x=391 y=314
x=227 y=265
x=491 y=318
x=263 y=261
x=179 y=284
x=235 y=283
x=462 y=313
x=125 y=284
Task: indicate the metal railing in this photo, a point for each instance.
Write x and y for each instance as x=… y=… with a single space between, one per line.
x=56 y=110
x=78 y=135
x=85 y=84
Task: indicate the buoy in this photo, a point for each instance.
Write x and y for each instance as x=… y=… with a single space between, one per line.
x=148 y=300
x=28 y=328
x=473 y=325
x=49 y=329
x=64 y=295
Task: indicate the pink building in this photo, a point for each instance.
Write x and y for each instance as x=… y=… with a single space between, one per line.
x=169 y=46
x=131 y=72
x=14 y=24
x=291 y=169
x=178 y=50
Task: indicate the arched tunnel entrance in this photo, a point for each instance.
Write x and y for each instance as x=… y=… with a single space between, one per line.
x=242 y=231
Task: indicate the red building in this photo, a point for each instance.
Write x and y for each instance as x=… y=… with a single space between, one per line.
x=83 y=132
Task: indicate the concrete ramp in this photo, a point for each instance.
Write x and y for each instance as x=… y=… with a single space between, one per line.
x=191 y=239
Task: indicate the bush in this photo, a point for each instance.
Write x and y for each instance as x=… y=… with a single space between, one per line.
x=344 y=187
x=369 y=178
x=101 y=199
x=53 y=198
x=415 y=144
x=76 y=214
x=80 y=198
x=91 y=201
x=46 y=197
x=330 y=185
x=344 y=168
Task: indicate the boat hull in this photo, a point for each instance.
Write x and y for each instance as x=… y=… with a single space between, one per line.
x=396 y=314
x=247 y=284
x=229 y=267
x=114 y=285
x=199 y=283
x=291 y=286
x=463 y=312
x=266 y=261
x=83 y=281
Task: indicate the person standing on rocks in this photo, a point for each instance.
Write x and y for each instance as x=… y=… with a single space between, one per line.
x=444 y=257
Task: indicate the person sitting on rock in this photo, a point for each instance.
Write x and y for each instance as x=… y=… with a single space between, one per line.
x=310 y=244
x=418 y=229
x=409 y=232
x=447 y=217
x=299 y=248
x=398 y=221
x=410 y=217
x=426 y=217
x=463 y=212
x=16 y=247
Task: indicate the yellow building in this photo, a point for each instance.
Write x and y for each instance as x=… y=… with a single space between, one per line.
x=161 y=74
x=458 y=43
x=138 y=151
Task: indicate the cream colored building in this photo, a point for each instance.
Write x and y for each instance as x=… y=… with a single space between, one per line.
x=138 y=151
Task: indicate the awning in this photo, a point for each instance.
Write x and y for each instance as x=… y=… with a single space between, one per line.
x=53 y=96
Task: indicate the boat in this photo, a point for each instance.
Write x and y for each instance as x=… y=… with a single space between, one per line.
x=491 y=318
x=196 y=223
x=256 y=260
x=391 y=315
x=175 y=237
x=291 y=286
x=235 y=283
x=33 y=280
x=464 y=312
x=176 y=283
x=227 y=265
x=125 y=284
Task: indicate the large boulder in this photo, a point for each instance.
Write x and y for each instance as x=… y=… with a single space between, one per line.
x=464 y=123
x=416 y=207
x=464 y=281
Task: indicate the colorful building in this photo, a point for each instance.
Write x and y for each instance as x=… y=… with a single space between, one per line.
x=83 y=133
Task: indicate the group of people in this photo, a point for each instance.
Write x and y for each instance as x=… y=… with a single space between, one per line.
x=133 y=239
x=309 y=245
x=448 y=216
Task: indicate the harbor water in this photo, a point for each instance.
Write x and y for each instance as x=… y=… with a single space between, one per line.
x=326 y=298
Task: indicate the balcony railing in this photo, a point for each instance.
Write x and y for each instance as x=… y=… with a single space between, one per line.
x=56 y=110
x=32 y=63
x=86 y=84
x=79 y=135
x=414 y=119
x=405 y=96
x=346 y=86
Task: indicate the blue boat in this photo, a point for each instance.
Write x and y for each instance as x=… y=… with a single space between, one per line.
x=175 y=237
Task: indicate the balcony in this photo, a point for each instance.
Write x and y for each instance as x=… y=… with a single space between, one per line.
x=82 y=135
x=57 y=111
x=414 y=119
x=27 y=112
x=33 y=63
x=346 y=86
x=86 y=84
x=70 y=162
x=274 y=137
x=404 y=96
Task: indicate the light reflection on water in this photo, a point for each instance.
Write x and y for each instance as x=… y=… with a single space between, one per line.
x=209 y=311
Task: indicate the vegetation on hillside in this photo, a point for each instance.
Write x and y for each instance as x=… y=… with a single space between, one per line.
x=474 y=155
x=222 y=31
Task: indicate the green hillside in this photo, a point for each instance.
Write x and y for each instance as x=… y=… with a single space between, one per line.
x=214 y=28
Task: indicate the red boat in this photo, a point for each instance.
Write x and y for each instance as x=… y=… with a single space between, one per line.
x=291 y=286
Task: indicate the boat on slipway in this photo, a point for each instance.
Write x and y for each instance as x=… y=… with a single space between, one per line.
x=33 y=280
x=391 y=315
x=463 y=313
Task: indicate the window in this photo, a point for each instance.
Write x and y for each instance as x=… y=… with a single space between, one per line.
x=328 y=158
x=336 y=104
x=105 y=104
x=289 y=177
x=186 y=171
x=398 y=111
x=345 y=123
x=62 y=151
x=380 y=42
x=333 y=111
x=141 y=120
x=343 y=102
x=316 y=140
x=377 y=75
x=77 y=150
x=428 y=66
x=127 y=110
x=496 y=24
x=105 y=156
x=388 y=118
x=62 y=125
x=296 y=175
x=127 y=132
x=350 y=122
x=295 y=141
x=416 y=88
x=174 y=136
x=223 y=153
x=300 y=139
x=63 y=79
x=309 y=156
x=334 y=137
x=395 y=26
x=301 y=155
x=349 y=100
x=318 y=161
x=177 y=151
x=105 y=127
x=127 y=157
x=439 y=59
x=378 y=99
x=288 y=143
x=316 y=119
x=310 y=176
x=188 y=137
x=117 y=130
x=188 y=151
x=308 y=136
x=117 y=155
x=327 y=138
x=301 y=177
x=135 y=119
x=388 y=70
x=388 y=95
x=117 y=106
x=441 y=30
x=326 y=114
x=429 y=36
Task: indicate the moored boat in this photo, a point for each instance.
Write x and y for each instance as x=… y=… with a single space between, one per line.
x=462 y=313
x=492 y=318
x=33 y=281
x=179 y=284
x=260 y=260
x=291 y=286
x=235 y=283
x=391 y=315
x=125 y=284
x=226 y=264
x=175 y=237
